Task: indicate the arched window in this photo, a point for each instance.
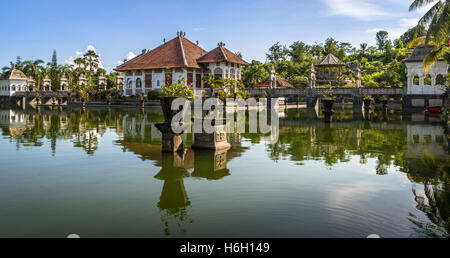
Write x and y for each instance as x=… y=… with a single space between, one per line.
x=440 y=80
x=232 y=73
x=138 y=83
x=416 y=80
x=130 y=84
x=218 y=73
x=427 y=80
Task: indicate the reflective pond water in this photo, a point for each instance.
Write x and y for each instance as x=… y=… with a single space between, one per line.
x=100 y=173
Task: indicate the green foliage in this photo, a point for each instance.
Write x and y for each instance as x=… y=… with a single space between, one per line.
x=368 y=97
x=382 y=68
x=222 y=95
x=277 y=53
x=254 y=73
x=243 y=94
x=178 y=90
x=153 y=95
x=382 y=39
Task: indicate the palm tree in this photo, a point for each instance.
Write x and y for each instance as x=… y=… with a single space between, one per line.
x=80 y=62
x=438 y=24
x=363 y=47
x=9 y=68
x=91 y=60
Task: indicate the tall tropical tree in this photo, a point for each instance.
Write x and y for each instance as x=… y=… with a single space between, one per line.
x=277 y=53
x=6 y=69
x=382 y=38
x=363 y=48
x=34 y=69
x=437 y=22
x=91 y=60
x=80 y=62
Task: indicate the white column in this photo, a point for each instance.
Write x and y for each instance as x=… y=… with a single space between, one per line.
x=133 y=85
x=224 y=72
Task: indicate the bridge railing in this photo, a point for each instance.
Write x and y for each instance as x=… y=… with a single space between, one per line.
x=382 y=91
x=324 y=91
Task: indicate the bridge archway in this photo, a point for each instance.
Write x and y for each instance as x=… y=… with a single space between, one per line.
x=415 y=80
x=427 y=80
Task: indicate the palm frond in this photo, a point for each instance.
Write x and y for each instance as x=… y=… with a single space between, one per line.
x=416 y=42
x=433 y=57
x=430 y=14
x=439 y=20
x=420 y=3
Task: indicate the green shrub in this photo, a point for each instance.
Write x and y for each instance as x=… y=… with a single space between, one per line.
x=243 y=95
x=177 y=90
x=223 y=95
x=153 y=95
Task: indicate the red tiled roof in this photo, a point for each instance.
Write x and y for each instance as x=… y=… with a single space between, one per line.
x=221 y=54
x=177 y=53
x=280 y=83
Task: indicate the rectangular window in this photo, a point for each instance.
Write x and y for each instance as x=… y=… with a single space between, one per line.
x=198 y=81
x=190 y=79
x=168 y=78
x=148 y=81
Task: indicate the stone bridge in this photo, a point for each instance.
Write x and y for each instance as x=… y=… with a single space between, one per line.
x=36 y=98
x=319 y=92
x=313 y=95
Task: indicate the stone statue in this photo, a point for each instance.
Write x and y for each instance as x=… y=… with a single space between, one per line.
x=358 y=77
x=312 y=77
x=273 y=78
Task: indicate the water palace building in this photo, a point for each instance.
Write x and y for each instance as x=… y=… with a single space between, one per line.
x=178 y=59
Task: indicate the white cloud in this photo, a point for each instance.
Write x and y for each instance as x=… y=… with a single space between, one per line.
x=358 y=9
x=409 y=22
x=374 y=30
x=90 y=47
x=395 y=32
x=130 y=55
x=199 y=29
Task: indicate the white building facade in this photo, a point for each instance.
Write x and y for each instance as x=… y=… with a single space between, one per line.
x=420 y=82
x=178 y=61
x=424 y=88
x=13 y=82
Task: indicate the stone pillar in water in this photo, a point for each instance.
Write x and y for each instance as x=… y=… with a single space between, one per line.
x=211 y=165
x=216 y=139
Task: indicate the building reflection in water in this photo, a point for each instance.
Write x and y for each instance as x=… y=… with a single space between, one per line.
x=415 y=145
x=211 y=165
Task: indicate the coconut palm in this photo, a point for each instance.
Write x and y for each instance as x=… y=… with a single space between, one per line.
x=31 y=68
x=436 y=19
x=440 y=48
x=91 y=61
x=437 y=22
x=80 y=62
x=9 y=68
x=363 y=47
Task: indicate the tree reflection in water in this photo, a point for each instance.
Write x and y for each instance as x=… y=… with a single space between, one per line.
x=174 y=199
x=435 y=199
x=415 y=148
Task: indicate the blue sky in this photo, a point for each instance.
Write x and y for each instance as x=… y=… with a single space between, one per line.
x=33 y=28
